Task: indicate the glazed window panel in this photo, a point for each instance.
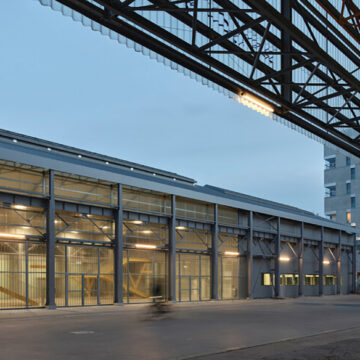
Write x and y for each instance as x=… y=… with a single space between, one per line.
x=84 y=275
x=134 y=199
x=193 y=239
x=37 y=274
x=83 y=190
x=82 y=259
x=18 y=179
x=228 y=242
x=22 y=220
x=138 y=232
x=22 y=277
x=83 y=227
x=330 y=280
x=289 y=279
x=228 y=272
x=189 y=209
x=106 y=276
x=267 y=279
x=193 y=277
x=144 y=272
x=311 y=280
x=228 y=215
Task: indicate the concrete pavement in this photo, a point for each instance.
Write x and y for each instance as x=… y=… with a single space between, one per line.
x=193 y=330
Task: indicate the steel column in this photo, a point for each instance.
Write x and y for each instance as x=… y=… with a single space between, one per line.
x=50 y=245
x=301 y=261
x=249 y=255
x=277 y=260
x=214 y=257
x=321 y=263
x=172 y=252
x=338 y=265
x=354 y=266
x=118 y=255
x=286 y=61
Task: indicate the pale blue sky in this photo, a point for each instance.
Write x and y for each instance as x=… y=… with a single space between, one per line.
x=63 y=82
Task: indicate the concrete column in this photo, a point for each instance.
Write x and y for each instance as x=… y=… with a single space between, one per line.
x=277 y=260
x=301 y=261
x=321 y=263
x=338 y=265
x=214 y=256
x=249 y=255
x=172 y=252
x=354 y=266
x=118 y=255
x=50 y=245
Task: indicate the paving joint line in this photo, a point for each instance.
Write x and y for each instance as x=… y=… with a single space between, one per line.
x=232 y=349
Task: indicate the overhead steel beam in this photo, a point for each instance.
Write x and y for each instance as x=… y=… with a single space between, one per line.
x=199 y=54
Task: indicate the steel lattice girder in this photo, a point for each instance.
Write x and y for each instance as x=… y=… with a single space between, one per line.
x=292 y=56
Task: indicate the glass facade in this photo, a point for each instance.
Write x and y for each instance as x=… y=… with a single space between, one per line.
x=85 y=243
x=83 y=227
x=193 y=239
x=191 y=209
x=193 y=277
x=21 y=178
x=84 y=190
x=140 y=232
x=228 y=277
x=22 y=274
x=146 y=201
x=143 y=272
x=84 y=275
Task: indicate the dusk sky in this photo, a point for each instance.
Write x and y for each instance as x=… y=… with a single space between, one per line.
x=63 y=82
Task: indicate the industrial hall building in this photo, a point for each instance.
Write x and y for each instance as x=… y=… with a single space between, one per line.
x=78 y=228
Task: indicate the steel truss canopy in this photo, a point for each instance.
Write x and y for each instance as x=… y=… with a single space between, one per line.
x=287 y=57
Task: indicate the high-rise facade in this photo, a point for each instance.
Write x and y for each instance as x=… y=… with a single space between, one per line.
x=342 y=187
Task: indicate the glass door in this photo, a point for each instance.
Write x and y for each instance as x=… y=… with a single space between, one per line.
x=74 y=293
x=82 y=289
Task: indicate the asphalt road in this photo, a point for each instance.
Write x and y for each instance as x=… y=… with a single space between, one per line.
x=206 y=330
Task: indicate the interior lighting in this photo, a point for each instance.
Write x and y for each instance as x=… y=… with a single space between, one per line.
x=232 y=253
x=147 y=232
x=284 y=258
x=12 y=236
x=137 y=222
x=19 y=207
x=181 y=228
x=145 y=246
x=256 y=104
x=326 y=262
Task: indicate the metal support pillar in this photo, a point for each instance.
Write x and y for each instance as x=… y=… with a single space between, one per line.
x=354 y=266
x=338 y=266
x=321 y=263
x=277 y=260
x=172 y=252
x=50 y=245
x=301 y=261
x=118 y=255
x=214 y=257
x=249 y=255
x=286 y=61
